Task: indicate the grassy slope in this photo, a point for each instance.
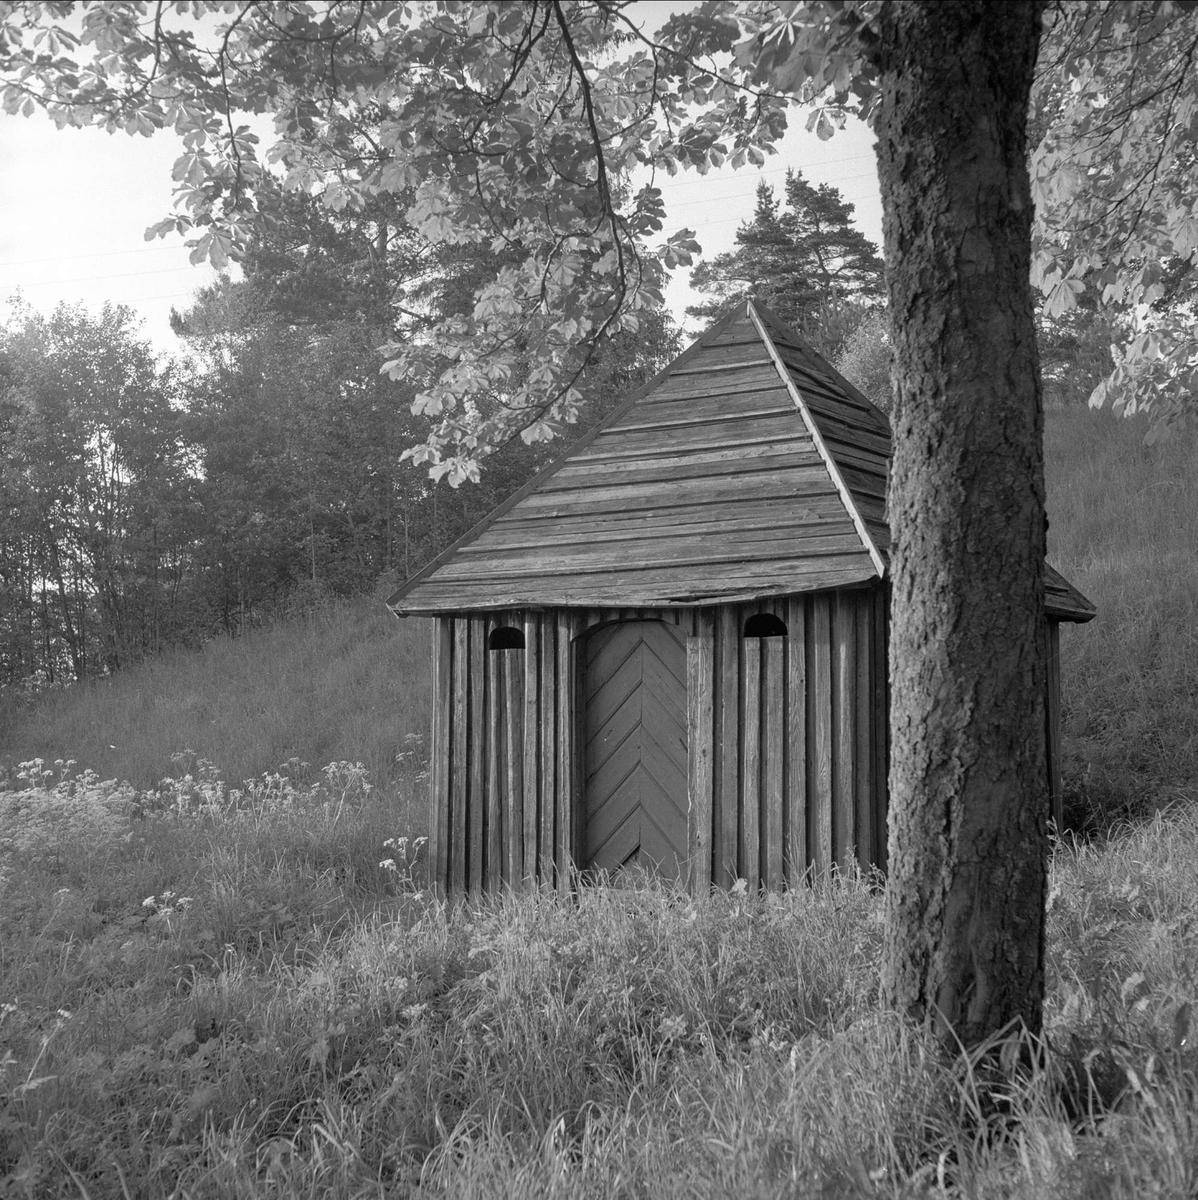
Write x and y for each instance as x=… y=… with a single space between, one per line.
x=309 y=1026
x=1124 y=528
x=348 y=683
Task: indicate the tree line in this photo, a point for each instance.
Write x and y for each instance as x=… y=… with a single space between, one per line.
x=147 y=503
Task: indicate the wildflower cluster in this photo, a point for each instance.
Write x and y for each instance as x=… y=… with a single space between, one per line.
x=45 y=821
x=414 y=756
x=199 y=794
x=169 y=904
x=403 y=858
x=194 y=793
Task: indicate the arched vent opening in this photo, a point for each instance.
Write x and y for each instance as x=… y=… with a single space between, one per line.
x=506 y=637
x=763 y=625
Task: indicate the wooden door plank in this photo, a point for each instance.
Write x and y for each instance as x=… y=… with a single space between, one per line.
x=635 y=744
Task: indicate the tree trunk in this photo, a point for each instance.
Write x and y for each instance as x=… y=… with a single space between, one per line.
x=964 y=945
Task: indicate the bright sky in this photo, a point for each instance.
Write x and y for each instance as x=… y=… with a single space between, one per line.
x=75 y=204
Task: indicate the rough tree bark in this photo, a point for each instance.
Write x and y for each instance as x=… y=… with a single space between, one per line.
x=964 y=943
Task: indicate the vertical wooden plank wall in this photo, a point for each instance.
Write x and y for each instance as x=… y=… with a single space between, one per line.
x=502 y=801
x=798 y=726
x=787 y=753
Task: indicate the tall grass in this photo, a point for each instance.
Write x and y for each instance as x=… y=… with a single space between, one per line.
x=347 y=683
x=1124 y=528
x=278 y=1030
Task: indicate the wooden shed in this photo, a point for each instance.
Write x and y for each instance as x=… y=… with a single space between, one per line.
x=669 y=648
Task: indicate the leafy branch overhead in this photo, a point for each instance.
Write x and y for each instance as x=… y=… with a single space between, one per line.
x=535 y=131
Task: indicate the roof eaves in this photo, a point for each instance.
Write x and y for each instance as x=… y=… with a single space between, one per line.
x=846 y=496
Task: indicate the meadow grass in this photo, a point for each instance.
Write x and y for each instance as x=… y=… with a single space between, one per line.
x=348 y=682
x=234 y=982
x=1124 y=529
x=224 y=1009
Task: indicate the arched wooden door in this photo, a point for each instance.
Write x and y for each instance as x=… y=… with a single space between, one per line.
x=634 y=797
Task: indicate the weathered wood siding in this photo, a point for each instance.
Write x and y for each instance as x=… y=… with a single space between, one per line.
x=787 y=747
x=786 y=754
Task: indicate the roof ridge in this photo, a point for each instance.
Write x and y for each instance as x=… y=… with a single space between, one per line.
x=845 y=492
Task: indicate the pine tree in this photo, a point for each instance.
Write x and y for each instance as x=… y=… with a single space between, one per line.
x=807 y=262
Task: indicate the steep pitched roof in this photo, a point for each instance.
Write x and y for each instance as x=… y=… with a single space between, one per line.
x=747 y=468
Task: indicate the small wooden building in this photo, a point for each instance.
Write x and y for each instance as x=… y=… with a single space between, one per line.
x=669 y=648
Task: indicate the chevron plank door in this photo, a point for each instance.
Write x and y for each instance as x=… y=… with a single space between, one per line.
x=635 y=804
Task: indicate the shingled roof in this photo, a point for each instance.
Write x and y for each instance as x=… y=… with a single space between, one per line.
x=747 y=468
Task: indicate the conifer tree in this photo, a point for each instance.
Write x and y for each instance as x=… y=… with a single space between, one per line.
x=806 y=261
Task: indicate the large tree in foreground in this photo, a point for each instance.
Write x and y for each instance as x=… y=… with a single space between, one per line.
x=520 y=127
x=965 y=908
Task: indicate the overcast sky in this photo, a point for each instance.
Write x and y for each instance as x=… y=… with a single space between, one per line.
x=75 y=204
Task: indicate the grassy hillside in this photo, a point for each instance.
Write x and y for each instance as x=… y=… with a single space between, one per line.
x=347 y=683
x=1124 y=528
x=213 y=992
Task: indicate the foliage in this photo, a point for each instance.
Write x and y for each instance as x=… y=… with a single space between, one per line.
x=268 y=1038
x=865 y=358
x=1075 y=350
x=96 y=503
x=533 y=91
x=807 y=262
x=146 y=506
x=77 y=818
x=491 y=126
x=1113 y=187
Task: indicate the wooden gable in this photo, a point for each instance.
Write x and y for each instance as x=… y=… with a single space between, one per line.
x=747 y=468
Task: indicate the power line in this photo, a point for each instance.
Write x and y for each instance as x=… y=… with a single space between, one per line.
x=98 y=278
x=26 y=262
x=740 y=195
x=706 y=182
